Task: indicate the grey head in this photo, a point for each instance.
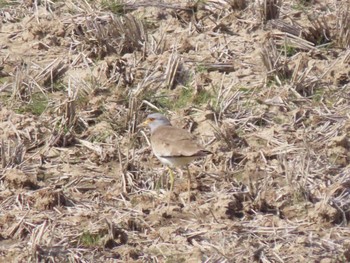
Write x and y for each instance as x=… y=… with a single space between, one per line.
x=156 y=120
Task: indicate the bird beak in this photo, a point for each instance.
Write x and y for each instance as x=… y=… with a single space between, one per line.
x=143 y=124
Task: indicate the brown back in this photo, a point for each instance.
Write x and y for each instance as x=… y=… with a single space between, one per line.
x=171 y=141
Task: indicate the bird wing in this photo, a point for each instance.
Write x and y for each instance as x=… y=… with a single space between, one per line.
x=169 y=141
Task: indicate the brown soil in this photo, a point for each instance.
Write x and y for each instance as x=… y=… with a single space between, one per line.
x=262 y=84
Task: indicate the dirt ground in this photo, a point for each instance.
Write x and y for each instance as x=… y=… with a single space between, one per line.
x=264 y=85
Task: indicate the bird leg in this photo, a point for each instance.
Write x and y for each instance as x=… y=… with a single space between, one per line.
x=172 y=179
x=188 y=185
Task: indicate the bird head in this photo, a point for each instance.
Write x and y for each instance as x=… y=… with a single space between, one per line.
x=155 y=120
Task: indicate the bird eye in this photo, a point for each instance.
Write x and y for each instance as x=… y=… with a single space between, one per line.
x=151 y=119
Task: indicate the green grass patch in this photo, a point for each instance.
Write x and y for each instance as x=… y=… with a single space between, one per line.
x=173 y=100
x=184 y=98
x=101 y=137
x=90 y=239
x=278 y=120
x=246 y=90
x=289 y=50
x=301 y=5
x=203 y=97
x=58 y=86
x=115 y=6
x=175 y=259
x=201 y=68
x=318 y=95
x=36 y=106
x=150 y=24
x=299 y=196
x=4 y=80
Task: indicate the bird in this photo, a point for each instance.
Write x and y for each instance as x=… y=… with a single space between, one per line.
x=174 y=147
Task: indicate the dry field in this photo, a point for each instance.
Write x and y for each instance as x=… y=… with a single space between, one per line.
x=264 y=85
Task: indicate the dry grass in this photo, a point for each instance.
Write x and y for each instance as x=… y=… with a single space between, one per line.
x=343 y=25
x=78 y=181
x=269 y=9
